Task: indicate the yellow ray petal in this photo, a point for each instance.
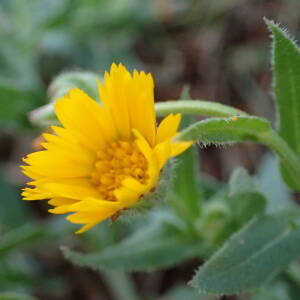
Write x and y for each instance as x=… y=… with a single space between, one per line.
x=56 y=164
x=114 y=97
x=61 y=201
x=87 y=227
x=29 y=173
x=82 y=116
x=35 y=194
x=92 y=204
x=168 y=127
x=61 y=205
x=142 y=106
x=71 y=150
x=89 y=217
x=130 y=192
x=60 y=210
x=153 y=169
x=179 y=147
x=130 y=101
x=163 y=153
x=64 y=205
x=127 y=196
x=75 y=189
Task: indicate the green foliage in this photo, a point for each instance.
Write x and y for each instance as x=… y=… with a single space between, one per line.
x=238 y=129
x=39 y=43
x=286 y=76
x=226 y=130
x=230 y=209
x=245 y=199
x=11 y=206
x=187 y=194
x=125 y=290
x=20 y=236
x=252 y=256
x=157 y=245
x=277 y=290
x=15 y=103
x=185 y=292
x=286 y=65
x=270 y=181
x=15 y=296
x=202 y=214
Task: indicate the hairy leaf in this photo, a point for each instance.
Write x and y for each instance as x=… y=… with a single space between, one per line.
x=152 y=247
x=252 y=256
x=286 y=66
x=238 y=129
x=286 y=77
x=244 y=197
x=272 y=185
x=226 y=130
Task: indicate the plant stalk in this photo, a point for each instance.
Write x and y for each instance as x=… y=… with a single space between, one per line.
x=197 y=107
x=120 y=285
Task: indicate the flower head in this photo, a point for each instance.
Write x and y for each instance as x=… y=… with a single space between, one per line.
x=104 y=158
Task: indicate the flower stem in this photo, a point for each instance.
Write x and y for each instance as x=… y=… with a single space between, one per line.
x=197 y=107
x=288 y=158
x=120 y=285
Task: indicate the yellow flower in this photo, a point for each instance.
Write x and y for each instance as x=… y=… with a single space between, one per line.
x=105 y=158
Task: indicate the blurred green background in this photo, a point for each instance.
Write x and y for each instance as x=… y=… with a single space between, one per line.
x=220 y=49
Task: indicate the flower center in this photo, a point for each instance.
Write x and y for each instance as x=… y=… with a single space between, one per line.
x=120 y=160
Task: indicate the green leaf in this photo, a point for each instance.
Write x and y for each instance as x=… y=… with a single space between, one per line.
x=197 y=107
x=286 y=66
x=226 y=130
x=126 y=289
x=286 y=77
x=229 y=209
x=21 y=236
x=244 y=197
x=155 y=246
x=15 y=103
x=293 y=272
x=277 y=290
x=272 y=185
x=216 y=222
x=185 y=292
x=238 y=129
x=252 y=256
x=187 y=198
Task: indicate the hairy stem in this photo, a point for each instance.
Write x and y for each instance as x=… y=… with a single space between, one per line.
x=120 y=285
x=197 y=107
